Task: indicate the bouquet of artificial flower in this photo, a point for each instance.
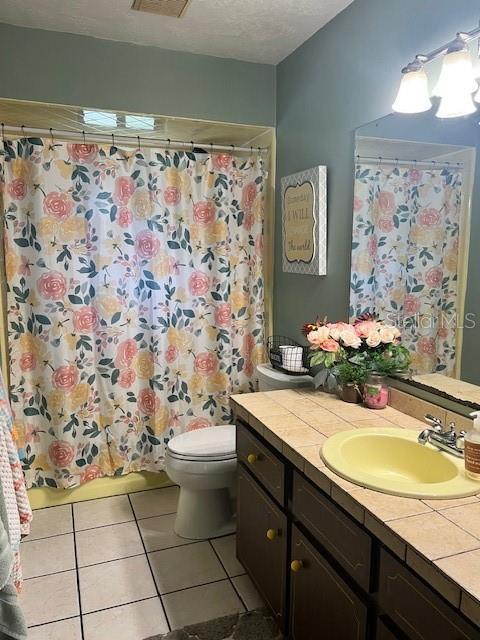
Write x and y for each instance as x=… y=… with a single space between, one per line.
x=366 y=342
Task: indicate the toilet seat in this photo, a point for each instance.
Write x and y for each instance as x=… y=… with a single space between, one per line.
x=211 y=444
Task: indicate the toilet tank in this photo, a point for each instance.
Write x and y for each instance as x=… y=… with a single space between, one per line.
x=269 y=379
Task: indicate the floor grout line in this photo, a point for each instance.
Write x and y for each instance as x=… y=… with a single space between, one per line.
x=150 y=566
x=77 y=574
x=228 y=575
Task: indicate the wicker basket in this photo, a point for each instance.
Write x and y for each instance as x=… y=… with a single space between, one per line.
x=285 y=355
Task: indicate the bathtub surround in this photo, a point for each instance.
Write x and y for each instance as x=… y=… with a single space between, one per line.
x=135 y=279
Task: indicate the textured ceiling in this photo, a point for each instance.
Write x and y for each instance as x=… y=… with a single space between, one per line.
x=254 y=30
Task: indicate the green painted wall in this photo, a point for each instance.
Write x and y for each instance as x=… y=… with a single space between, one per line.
x=343 y=77
x=48 y=66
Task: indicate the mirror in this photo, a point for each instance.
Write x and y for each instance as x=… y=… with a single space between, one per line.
x=416 y=242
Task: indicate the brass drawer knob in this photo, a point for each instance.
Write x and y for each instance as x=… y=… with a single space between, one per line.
x=296 y=565
x=252 y=458
x=272 y=534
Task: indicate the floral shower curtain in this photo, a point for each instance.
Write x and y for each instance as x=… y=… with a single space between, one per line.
x=406 y=225
x=135 y=300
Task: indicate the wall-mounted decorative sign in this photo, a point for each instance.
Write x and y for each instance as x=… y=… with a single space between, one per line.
x=304 y=221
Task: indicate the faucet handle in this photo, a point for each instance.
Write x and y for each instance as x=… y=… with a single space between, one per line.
x=460 y=440
x=434 y=422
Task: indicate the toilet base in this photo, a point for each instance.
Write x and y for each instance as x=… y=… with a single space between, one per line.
x=204 y=514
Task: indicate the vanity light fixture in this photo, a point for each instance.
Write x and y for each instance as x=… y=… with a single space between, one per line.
x=412 y=96
x=455 y=85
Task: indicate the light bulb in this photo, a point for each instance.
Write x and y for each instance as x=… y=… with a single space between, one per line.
x=456 y=74
x=412 y=96
x=455 y=105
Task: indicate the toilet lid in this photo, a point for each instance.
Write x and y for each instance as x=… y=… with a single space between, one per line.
x=217 y=443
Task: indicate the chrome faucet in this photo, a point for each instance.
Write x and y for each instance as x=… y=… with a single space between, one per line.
x=445 y=439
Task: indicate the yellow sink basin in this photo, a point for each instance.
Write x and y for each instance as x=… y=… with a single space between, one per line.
x=392 y=461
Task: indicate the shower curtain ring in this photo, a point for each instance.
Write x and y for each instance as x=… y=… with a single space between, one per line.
x=169 y=142
x=113 y=140
x=52 y=141
x=192 y=146
x=3 y=132
x=233 y=148
x=23 y=130
x=84 y=139
x=138 y=140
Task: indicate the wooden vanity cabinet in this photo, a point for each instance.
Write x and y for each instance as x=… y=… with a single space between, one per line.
x=322 y=605
x=262 y=543
x=323 y=575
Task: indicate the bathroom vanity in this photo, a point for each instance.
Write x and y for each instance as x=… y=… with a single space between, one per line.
x=324 y=564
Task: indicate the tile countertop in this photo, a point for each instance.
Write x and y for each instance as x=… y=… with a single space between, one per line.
x=438 y=539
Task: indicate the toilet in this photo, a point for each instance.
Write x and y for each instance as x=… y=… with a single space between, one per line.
x=203 y=463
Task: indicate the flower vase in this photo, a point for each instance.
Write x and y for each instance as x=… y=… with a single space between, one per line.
x=375 y=391
x=350 y=393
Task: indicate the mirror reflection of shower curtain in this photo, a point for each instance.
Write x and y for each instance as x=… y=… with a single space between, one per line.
x=135 y=293
x=405 y=256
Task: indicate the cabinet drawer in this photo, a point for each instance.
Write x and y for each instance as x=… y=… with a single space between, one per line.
x=338 y=533
x=415 y=608
x=262 y=543
x=322 y=604
x=262 y=462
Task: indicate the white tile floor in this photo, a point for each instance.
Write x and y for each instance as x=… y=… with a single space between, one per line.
x=114 y=568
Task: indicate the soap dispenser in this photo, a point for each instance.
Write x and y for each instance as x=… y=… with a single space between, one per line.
x=472 y=448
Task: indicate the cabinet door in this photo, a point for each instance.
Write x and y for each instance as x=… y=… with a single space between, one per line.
x=417 y=610
x=262 y=542
x=322 y=604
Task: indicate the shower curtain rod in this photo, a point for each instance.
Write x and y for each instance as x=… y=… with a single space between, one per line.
x=432 y=164
x=139 y=140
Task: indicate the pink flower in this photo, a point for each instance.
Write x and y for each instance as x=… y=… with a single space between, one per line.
x=59 y=205
x=124 y=188
x=126 y=351
x=427 y=346
x=374 y=339
x=83 y=152
x=28 y=362
x=350 y=339
x=17 y=189
x=85 y=319
x=61 y=453
x=318 y=336
x=171 y=354
x=249 y=193
x=223 y=314
x=415 y=176
x=442 y=332
x=204 y=212
x=198 y=423
x=52 y=286
x=172 y=195
x=386 y=202
x=198 y=283
x=364 y=328
x=222 y=161
x=357 y=203
x=330 y=345
x=65 y=377
x=146 y=244
x=372 y=245
x=248 y=345
x=248 y=221
x=434 y=277
x=411 y=304
x=429 y=217
x=147 y=402
x=385 y=225
x=124 y=217
x=206 y=363
x=92 y=472
x=259 y=245
x=248 y=368
x=336 y=328
x=126 y=378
